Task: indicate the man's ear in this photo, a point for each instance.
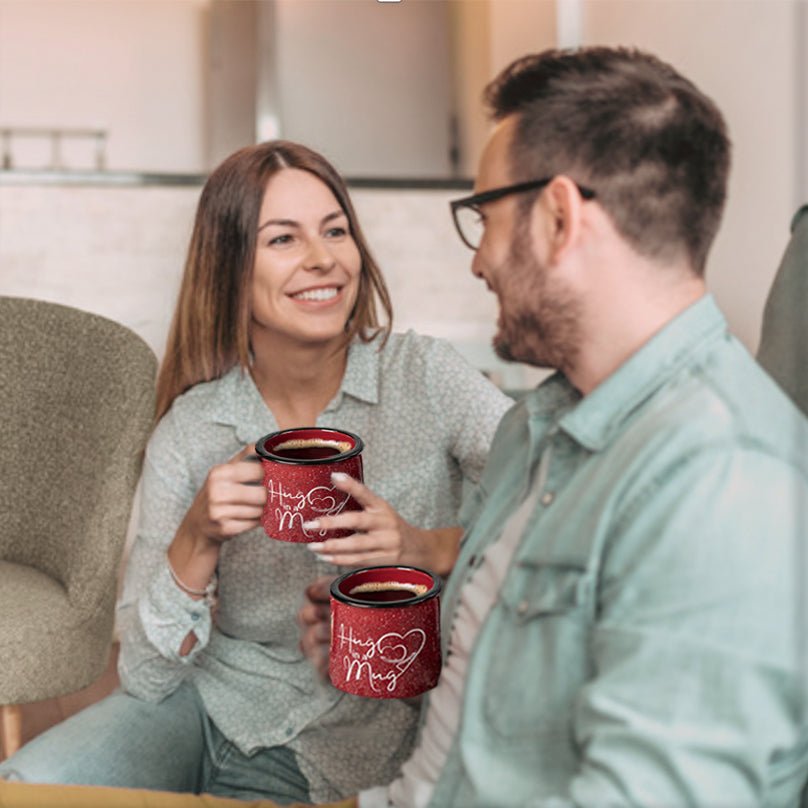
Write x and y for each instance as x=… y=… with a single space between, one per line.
x=557 y=215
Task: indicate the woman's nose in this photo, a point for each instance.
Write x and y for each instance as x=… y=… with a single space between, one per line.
x=318 y=256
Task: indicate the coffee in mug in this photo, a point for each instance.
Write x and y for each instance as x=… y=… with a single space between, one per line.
x=387 y=591
x=310 y=449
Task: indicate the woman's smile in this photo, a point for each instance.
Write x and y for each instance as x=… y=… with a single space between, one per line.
x=317 y=294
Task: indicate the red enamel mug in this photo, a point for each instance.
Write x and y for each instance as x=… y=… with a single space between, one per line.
x=385 y=632
x=298 y=464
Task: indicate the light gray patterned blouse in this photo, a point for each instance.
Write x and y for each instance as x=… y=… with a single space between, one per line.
x=427 y=419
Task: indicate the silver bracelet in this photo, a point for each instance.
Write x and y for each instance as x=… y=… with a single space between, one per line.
x=208 y=594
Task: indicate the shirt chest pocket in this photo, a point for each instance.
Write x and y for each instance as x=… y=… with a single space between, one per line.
x=536 y=649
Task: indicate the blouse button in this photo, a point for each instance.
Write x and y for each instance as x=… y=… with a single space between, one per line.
x=522 y=607
x=547 y=498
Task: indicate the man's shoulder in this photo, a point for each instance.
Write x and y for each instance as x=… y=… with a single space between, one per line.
x=725 y=399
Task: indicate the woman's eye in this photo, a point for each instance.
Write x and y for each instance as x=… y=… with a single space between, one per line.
x=279 y=241
x=336 y=232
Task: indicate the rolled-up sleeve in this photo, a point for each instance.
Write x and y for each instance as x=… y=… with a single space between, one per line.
x=154 y=614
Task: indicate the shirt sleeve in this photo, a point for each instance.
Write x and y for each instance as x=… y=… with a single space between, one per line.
x=469 y=406
x=696 y=687
x=154 y=614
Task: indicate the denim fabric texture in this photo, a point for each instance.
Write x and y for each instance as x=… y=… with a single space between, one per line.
x=169 y=746
x=646 y=645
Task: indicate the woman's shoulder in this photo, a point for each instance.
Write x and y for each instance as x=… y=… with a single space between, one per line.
x=201 y=403
x=437 y=369
x=411 y=346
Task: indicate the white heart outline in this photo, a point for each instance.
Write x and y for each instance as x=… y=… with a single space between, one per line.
x=403 y=662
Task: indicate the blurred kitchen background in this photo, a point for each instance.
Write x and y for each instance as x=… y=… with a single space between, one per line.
x=113 y=111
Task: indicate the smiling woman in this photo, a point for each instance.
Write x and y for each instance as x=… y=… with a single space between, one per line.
x=306 y=274
x=274 y=214
x=283 y=320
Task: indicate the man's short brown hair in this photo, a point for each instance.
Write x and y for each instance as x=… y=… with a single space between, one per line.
x=653 y=147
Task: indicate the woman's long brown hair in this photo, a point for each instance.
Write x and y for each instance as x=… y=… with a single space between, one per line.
x=209 y=332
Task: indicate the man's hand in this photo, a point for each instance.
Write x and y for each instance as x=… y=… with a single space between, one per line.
x=314 y=618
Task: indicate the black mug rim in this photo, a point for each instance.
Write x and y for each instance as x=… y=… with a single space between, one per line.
x=265 y=454
x=432 y=592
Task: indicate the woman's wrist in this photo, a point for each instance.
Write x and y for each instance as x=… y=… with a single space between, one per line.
x=446 y=546
x=435 y=549
x=208 y=594
x=192 y=561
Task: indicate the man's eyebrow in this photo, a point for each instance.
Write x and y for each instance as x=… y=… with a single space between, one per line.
x=292 y=223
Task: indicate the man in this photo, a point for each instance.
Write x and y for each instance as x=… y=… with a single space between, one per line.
x=621 y=626
x=623 y=617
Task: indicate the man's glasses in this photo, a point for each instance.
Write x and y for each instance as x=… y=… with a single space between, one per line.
x=466 y=212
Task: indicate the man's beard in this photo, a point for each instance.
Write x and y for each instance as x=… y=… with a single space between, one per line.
x=539 y=323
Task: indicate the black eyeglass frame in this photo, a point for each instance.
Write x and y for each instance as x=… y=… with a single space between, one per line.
x=475 y=200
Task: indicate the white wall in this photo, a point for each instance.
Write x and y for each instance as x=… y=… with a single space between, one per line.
x=366 y=83
x=119 y=251
x=133 y=67
x=742 y=53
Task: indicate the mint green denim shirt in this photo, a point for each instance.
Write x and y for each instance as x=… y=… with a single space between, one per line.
x=644 y=647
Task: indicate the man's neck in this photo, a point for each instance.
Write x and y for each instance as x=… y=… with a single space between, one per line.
x=630 y=315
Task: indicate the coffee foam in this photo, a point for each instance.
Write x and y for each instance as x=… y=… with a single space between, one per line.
x=306 y=443
x=379 y=586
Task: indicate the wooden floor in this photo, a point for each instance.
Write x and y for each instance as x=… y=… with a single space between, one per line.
x=41 y=715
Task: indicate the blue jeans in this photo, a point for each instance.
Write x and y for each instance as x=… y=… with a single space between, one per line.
x=170 y=746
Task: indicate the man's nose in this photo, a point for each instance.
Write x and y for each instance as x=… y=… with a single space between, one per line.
x=476 y=265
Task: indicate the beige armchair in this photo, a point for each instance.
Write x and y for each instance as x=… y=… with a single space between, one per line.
x=76 y=408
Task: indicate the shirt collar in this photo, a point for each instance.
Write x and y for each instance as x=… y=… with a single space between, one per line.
x=239 y=404
x=361 y=379
x=594 y=420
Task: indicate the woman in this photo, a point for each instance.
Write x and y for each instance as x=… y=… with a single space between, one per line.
x=276 y=326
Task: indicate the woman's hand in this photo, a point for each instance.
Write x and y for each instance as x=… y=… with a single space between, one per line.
x=230 y=502
x=381 y=536
x=314 y=619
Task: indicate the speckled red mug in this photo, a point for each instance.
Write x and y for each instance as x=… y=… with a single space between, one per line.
x=385 y=632
x=298 y=464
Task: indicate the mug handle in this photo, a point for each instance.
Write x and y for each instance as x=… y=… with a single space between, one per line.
x=253 y=458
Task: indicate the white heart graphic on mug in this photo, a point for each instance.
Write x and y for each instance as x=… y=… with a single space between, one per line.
x=407 y=653
x=325 y=500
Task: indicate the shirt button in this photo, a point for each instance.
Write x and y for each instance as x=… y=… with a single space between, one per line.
x=194 y=616
x=472 y=560
x=522 y=607
x=547 y=498
x=289 y=732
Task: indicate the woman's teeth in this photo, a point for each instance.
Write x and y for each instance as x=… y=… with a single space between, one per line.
x=317 y=294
